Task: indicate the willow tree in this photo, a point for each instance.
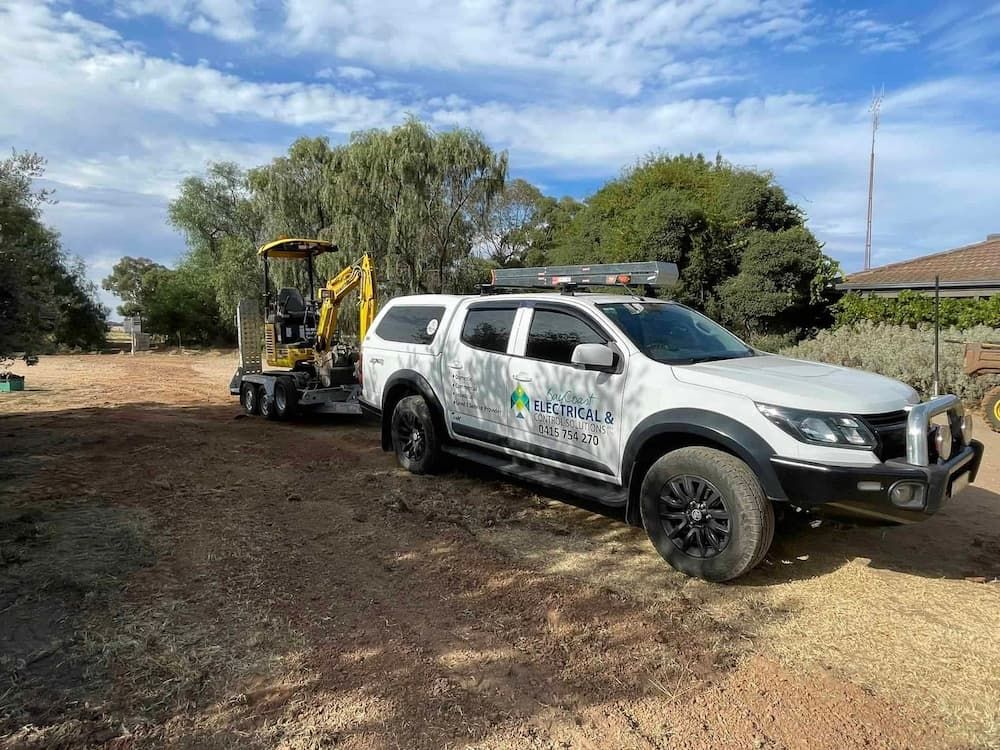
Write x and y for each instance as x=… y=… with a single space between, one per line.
x=294 y=192
x=407 y=196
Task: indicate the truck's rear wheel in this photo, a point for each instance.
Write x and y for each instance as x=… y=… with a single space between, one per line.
x=250 y=398
x=706 y=513
x=267 y=407
x=414 y=437
x=991 y=408
x=286 y=399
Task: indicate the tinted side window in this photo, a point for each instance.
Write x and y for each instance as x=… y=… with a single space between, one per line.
x=410 y=324
x=554 y=335
x=488 y=329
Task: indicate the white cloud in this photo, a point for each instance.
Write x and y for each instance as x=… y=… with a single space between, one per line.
x=228 y=20
x=614 y=45
x=859 y=28
x=121 y=127
x=930 y=188
x=98 y=105
x=347 y=72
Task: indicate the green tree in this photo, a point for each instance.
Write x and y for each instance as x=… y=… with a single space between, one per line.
x=293 y=192
x=125 y=281
x=407 y=196
x=223 y=224
x=508 y=225
x=706 y=216
x=772 y=293
x=45 y=299
x=552 y=220
x=181 y=305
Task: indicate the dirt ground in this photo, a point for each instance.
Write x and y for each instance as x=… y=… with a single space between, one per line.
x=173 y=574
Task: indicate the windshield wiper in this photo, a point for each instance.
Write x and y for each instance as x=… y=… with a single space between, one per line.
x=718 y=357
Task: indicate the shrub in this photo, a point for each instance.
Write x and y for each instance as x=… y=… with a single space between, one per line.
x=914 y=309
x=772 y=342
x=903 y=353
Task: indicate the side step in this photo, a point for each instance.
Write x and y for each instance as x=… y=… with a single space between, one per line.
x=596 y=490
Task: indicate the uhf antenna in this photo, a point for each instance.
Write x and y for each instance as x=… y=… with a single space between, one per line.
x=874 y=109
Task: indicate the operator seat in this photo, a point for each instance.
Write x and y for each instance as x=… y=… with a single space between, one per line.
x=291 y=305
x=291 y=317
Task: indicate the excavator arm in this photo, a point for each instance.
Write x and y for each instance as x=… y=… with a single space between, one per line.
x=359 y=275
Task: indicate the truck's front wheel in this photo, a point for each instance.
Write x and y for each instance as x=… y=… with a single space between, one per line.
x=706 y=513
x=414 y=436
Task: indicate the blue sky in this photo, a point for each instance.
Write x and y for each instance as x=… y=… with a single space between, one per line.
x=126 y=97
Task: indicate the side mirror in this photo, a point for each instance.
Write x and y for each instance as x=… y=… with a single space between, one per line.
x=593 y=357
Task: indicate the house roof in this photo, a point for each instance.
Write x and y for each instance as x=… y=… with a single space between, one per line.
x=972 y=265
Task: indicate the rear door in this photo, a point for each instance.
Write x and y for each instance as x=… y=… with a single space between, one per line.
x=563 y=412
x=476 y=366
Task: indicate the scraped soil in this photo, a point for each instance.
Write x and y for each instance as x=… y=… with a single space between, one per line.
x=174 y=574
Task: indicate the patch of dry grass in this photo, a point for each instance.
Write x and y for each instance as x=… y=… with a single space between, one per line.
x=56 y=566
x=931 y=643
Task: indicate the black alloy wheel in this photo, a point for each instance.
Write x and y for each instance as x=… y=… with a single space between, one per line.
x=695 y=516
x=413 y=441
x=706 y=512
x=414 y=435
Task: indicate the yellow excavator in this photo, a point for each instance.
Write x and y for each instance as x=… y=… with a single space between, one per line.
x=299 y=335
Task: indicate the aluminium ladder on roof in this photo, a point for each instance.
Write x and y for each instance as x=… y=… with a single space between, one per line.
x=643 y=273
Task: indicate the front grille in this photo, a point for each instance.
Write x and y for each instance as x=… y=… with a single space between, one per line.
x=890 y=429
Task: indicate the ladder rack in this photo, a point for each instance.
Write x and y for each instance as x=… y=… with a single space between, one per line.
x=642 y=274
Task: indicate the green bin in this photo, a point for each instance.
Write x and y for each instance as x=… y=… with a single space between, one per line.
x=13 y=383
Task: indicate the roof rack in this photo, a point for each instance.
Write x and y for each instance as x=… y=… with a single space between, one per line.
x=648 y=274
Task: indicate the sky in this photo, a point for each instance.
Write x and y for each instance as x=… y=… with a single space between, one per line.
x=126 y=97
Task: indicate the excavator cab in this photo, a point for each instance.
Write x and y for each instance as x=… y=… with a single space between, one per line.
x=291 y=317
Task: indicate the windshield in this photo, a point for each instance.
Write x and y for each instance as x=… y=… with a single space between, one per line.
x=674 y=334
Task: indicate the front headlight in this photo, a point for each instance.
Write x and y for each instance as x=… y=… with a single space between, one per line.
x=819 y=428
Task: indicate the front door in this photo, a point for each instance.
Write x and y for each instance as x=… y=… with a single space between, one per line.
x=560 y=411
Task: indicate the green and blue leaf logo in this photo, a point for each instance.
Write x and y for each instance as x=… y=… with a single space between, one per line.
x=519 y=401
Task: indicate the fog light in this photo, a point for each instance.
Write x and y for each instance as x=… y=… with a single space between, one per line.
x=966 y=429
x=942 y=441
x=909 y=495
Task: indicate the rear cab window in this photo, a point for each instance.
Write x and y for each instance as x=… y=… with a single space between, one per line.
x=488 y=328
x=411 y=324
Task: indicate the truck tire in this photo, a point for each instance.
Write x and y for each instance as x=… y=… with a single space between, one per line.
x=991 y=408
x=250 y=398
x=286 y=399
x=414 y=437
x=267 y=407
x=706 y=513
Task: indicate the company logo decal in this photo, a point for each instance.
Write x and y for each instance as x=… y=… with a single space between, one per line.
x=519 y=401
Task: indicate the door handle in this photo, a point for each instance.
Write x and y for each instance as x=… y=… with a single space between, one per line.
x=523 y=377
x=455 y=365
x=375 y=361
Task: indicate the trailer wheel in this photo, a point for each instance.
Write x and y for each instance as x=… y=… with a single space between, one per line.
x=991 y=408
x=286 y=398
x=413 y=435
x=706 y=514
x=250 y=398
x=267 y=407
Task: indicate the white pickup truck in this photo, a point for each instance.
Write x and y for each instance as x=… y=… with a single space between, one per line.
x=649 y=405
